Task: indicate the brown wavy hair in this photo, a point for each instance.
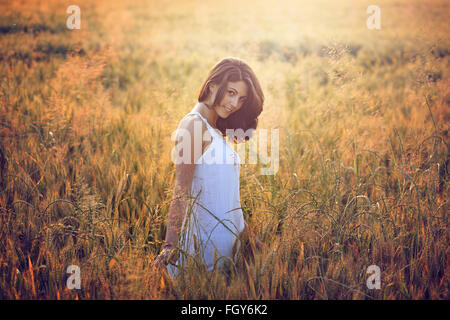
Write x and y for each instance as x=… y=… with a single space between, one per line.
x=231 y=70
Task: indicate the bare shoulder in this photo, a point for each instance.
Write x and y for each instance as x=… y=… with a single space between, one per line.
x=191 y=123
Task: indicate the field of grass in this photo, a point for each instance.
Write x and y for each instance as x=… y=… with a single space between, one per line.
x=86 y=118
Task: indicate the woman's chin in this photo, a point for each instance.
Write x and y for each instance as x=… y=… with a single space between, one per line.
x=223 y=114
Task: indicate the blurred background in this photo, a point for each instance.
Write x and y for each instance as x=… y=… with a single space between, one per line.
x=86 y=118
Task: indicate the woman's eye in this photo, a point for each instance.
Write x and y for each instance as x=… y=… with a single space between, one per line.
x=231 y=93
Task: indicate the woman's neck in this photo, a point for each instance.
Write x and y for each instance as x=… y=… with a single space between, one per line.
x=209 y=114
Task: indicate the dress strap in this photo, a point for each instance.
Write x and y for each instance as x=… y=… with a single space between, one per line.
x=211 y=129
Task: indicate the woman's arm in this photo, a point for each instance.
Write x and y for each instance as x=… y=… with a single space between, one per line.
x=183 y=180
x=184 y=174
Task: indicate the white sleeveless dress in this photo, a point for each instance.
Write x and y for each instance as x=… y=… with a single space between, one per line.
x=215 y=219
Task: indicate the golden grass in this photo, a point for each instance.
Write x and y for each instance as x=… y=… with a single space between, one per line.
x=86 y=118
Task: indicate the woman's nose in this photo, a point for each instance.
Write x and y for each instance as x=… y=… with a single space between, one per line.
x=234 y=101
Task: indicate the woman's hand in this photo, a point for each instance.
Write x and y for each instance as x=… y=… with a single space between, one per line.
x=249 y=237
x=167 y=255
x=250 y=243
x=258 y=243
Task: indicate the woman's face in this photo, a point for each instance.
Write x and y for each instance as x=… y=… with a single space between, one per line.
x=233 y=99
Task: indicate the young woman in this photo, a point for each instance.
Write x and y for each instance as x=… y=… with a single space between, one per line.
x=205 y=220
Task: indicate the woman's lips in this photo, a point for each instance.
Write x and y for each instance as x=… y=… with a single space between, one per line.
x=228 y=109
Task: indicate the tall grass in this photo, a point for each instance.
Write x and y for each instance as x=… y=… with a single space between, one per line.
x=86 y=175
